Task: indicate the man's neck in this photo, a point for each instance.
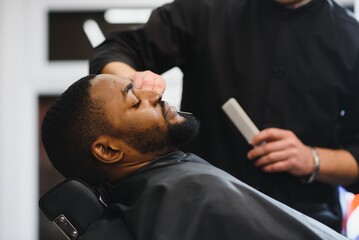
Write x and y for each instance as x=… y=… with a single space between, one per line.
x=135 y=161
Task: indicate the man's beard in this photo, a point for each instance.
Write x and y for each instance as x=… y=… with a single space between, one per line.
x=183 y=132
x=158 y=139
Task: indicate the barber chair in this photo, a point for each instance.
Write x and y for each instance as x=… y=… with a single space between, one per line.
x=80 y=214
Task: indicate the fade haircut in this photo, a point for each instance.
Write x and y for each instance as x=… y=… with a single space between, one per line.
x=69 y=128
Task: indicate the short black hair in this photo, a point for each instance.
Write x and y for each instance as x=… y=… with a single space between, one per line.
x=69 y=128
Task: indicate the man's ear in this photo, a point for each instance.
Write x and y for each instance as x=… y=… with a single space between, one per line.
x=106 y=150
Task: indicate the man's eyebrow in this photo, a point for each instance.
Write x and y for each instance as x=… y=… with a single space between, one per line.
x=127 y=88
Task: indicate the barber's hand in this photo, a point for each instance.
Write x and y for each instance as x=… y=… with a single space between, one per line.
x=278 y=150
x=148 y=80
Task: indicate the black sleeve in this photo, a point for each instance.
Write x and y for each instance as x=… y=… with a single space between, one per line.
x=162 y=43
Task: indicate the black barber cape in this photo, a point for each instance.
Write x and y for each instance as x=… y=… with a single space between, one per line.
x=181 y=196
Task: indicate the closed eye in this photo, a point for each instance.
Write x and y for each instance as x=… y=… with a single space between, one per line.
x=137 y=105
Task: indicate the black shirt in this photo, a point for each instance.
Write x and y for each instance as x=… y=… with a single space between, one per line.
x=295 y=69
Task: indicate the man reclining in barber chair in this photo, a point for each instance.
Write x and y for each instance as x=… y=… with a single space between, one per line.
x=124 y=141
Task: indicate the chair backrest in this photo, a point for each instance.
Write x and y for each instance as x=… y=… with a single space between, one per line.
x=77 y=210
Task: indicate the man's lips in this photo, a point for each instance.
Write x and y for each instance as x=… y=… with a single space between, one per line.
x=168 y=110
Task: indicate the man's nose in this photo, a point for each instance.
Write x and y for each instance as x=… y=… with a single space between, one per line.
x=152 y=97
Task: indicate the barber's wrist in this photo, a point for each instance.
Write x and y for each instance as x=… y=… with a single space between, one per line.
x=316 y=162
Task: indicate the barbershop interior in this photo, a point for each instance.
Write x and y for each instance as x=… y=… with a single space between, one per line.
x=45 y=46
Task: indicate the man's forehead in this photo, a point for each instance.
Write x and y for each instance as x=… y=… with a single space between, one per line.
x=105 y=83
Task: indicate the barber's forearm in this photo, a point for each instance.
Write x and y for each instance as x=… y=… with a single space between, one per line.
x=337 y=167
x=118 y=68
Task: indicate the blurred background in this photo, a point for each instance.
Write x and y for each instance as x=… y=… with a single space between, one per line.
x=44 y=47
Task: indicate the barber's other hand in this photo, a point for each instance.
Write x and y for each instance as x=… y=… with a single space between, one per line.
x=278 y=150
x=148 y=80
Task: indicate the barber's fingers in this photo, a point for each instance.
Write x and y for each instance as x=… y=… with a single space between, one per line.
x=271 y=157
x=155 y=83
x=271 y=134
x=281 y=151
x=148 y=80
